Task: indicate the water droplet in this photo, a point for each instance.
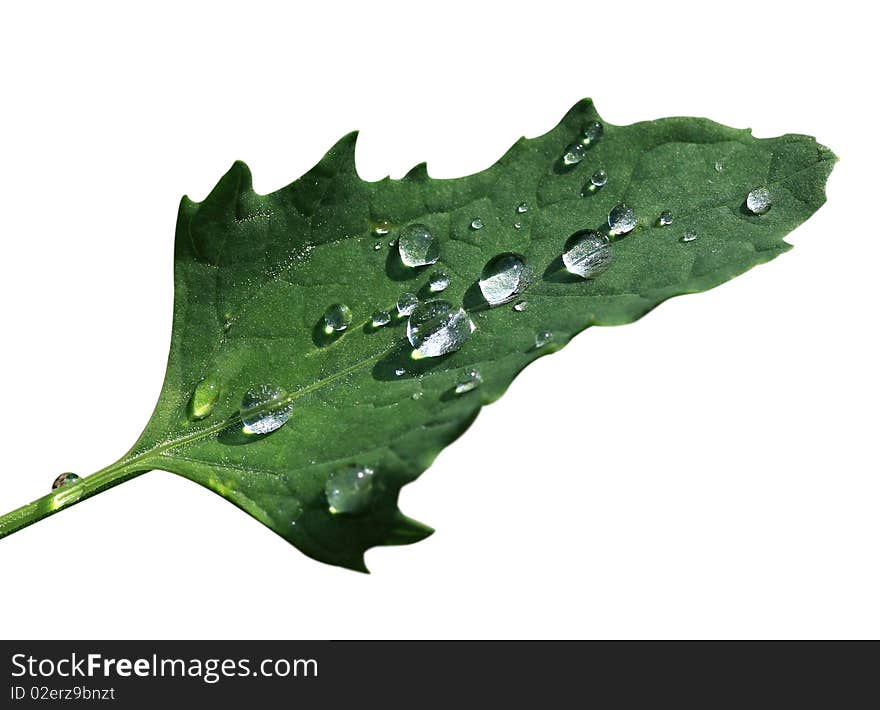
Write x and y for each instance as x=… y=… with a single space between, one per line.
x=474 y=380
x=406 y=303
x=437 y=327
x=264 y=409
x=574 y=154
x=349 y=490
x=381 y=228
x=689 y=236
x=400 y=372
x=719 y=166
x=520 y=306
x=591 y=133
x=438 y=281
x=377 y=246
x=337 y=318
x=416 y=395
x=64 y=479
x=381 y=318
x=522 y=207
x=517 y=225
x=476 y=223
x=204 y=397
x=504 y=277
x=622 y=219
x=587 y=253
x=599 y=178
x=417 y=245
x=665 y=218
x=758 y=200
x=542 y=338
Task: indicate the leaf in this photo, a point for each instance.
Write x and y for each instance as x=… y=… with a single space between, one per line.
x=254 y=275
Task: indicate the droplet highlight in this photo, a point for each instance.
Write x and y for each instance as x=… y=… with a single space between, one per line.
x=350 y=490
x=264 y=409
x=587 y=254
x=381 y=228
x=622 y=220
x=758 y=201
x=504 y=277
x=438 y=282
x=437 y=328
x=417 y=246
x=520 y=306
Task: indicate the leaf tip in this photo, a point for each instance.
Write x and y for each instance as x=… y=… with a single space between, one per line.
x=417 y=173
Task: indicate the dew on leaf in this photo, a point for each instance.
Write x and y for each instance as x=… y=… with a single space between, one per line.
x=473 y=380
x=264 y=409
x=622 y=219
x=65 y=479
x=476 y=223
x=719 y=166
x=522 y=207
x=437 y=328
x=400 y=371
x=599 y=178
x=438 y=281
x=337 y=318
x=665 y=218
x=504 y=277
x=204 y=397
x=417 y=245
x=689 y=236
x=380 y=318
x=349 y=491
x=520 y=306
x=542 y=338
x=406 y=302
x=574 y=154
x=591 y=133
x=381 y=228
x=587 y=253
x=758 y=201
x=517 y=225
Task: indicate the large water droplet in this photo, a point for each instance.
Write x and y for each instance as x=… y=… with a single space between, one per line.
x=381 y=227
x=574 y=154
x=337 y=318
x=542 y=338
x=587 y=253
x=522 y=207
x=476 y=223
x=758 y=201
x=381 y=318
x=406 y=303
x=504 y=277
x=264 y=409
x=204 y=397
x=665 y=218
x=349 y=490
x=473 y=380
x=64 y=479
x=591 y=133
x=438 y=281
x=689 y=236
x=417 y=245
x=437 y=327
x=622 y=219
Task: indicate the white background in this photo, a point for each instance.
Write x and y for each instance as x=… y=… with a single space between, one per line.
x=714 y=476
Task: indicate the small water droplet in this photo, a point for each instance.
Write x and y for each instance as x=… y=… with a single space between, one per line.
x=337 y=318
x=65 y=479
x=437 y=327
x=599 y=178
x=591 y=133
x=416 y=395
x=574 y=154
x=689 y=236
x=476 y=223
x=665 y=218
x=517 y=225
x=622 y=219
x=474 y=380
x=504 y=277
x=264 y=409
x=204 y=397
x=520 y=306
x=758 y=201
x=400 y=371
x=587 y=253
x=417 y=245
x=381 y=318
x=381 y=227
x=406 y=303
x=542 y=338
x=377 y=246
x=438 y=281
x=522 y=207
x=349 y=490
x=719 y=166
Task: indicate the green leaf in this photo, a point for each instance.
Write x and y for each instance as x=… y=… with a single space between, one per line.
x=254 y=275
